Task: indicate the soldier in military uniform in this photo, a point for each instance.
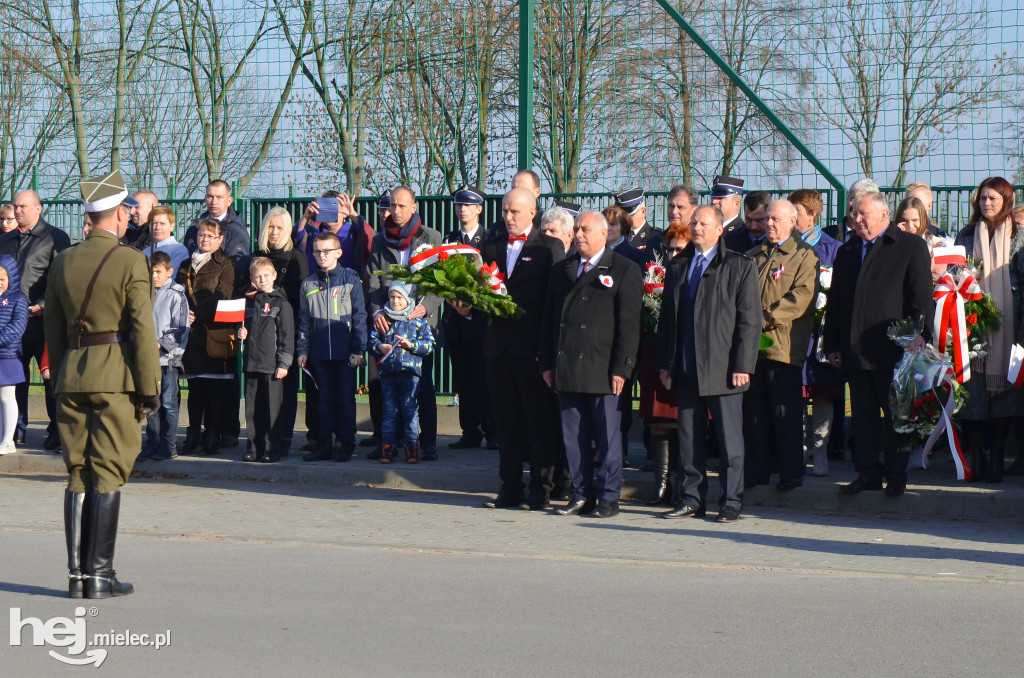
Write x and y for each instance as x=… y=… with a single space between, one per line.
x=106 y=372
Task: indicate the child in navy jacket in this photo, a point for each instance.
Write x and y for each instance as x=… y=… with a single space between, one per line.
x=13 y=319
x=402 y=349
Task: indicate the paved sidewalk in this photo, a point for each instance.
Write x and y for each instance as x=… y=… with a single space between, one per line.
x=932 y=492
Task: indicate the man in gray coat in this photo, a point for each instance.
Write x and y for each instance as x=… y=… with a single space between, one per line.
x=708 y=336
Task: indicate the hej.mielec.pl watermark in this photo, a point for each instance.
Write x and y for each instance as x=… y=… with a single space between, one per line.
x=80 y=648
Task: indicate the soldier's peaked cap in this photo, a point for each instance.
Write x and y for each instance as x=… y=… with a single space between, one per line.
x=572 y=208
x=631 y=199
x=468 y=195
x=384 y=201
x=102 y=193
x=725 y=186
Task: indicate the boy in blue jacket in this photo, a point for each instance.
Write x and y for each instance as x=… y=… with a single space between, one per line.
x=402 y=349
x=332 y=337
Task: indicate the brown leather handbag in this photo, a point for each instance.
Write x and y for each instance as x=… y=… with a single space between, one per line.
x=221 y=344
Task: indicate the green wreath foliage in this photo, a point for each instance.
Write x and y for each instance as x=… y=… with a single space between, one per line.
x=457 y=278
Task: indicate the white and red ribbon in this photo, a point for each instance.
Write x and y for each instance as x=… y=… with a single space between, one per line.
x=950 y=255
x=950 y=296
x=442 y=252
x=496 y=279
x=1015 y=373
x=963 y=470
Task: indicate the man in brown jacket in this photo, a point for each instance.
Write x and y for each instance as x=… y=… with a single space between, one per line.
x=105 y=370
x=773 y=407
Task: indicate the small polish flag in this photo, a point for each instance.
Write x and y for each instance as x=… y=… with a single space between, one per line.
x=230 y=311
x=1015 y=375
x=954 y=255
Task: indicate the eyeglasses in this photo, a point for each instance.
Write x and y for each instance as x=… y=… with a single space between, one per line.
x=206 y=235
x=9 y=219
x=674 y=250
x=324 y=253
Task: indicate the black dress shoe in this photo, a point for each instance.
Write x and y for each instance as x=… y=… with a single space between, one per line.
x=685 y=512
x=267 y=459
x=577 y=507
x=428 y=453
x=52 y=441
x=250 y=455
x=728 y=514
x=342 y=452
x=368 y=442
x=534 y=503
x=787 y=485
x=605 y=509
x=211 y=446
x=319 y=454
x=465 y=443
x=503 y=501
x=375 y=453
x=228 y=440
x=895 y=488
x=310 y=446
x=861 y=484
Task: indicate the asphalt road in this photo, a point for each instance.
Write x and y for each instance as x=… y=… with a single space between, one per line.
x=268 y=579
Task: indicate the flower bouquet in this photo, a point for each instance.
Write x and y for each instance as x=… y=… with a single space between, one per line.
x=654 y=285
x=457 y=272
x=824 y=285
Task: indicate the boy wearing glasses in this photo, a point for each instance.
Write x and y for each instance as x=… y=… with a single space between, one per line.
x=332 y=337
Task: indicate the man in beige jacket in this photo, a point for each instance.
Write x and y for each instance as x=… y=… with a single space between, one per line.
x=773 y=407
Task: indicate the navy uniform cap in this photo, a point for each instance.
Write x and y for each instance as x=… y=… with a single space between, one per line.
x=722 y=187
x=572 y=208
x=384 y=201
x=631 y=199
x=468 y=195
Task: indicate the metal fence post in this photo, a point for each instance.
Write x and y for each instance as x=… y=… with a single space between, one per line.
x=526 y=84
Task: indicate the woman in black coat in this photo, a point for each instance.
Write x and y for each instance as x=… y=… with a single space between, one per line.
x=275 y=243
x=208 y=278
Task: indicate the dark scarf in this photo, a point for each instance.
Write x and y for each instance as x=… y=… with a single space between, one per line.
x=401 y=238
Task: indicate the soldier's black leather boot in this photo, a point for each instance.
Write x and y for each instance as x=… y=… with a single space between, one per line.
x=99 y=534
x=73 y=504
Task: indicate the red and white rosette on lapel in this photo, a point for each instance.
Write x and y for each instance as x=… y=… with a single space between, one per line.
x=950 y=295
x=442 y=252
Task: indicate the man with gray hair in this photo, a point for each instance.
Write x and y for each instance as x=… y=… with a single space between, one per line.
x=787 y=269
x=881 y=275
x=859 y=188
x=589 y=341
x=558 y=223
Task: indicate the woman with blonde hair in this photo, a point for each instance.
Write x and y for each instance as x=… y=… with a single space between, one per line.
x=275 y=243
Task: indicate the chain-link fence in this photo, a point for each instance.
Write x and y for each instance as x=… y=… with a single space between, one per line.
x=366 y=94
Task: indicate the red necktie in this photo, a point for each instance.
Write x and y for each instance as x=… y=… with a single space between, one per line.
x=586 y=266
x=513 y=238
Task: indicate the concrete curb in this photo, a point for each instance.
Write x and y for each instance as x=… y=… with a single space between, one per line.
x=933 y=493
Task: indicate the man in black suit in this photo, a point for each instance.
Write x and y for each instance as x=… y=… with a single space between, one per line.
x=559 y=222
x=642 y=233
x=708 y=337
x=726 y=193
x=590 y=339
x=750 y=233
x=464 y=336
x=881 y=275
x=524 y=407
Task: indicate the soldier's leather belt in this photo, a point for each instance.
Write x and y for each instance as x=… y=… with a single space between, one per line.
x=99 y=339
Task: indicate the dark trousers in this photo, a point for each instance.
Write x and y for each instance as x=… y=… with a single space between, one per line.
x=527 y=425
x=469 y=377
x=207 y=401
x=871 y=420
x=284 y=428
x=727 y=420
x=162 y=425
x=32 y=344
x=232 y=423
x=587 y=419
x=374 y=395
x=773 y=423
x=263 y=398
x=426 y=400
x=399 y=392
x=337 y=383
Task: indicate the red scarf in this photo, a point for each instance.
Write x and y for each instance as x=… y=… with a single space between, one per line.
x=401 y=238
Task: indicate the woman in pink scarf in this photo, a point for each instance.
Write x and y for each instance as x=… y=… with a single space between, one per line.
x=994 y=242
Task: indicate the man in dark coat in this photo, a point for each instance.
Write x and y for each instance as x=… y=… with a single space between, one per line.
x=464 y=336
x=750 y=233
x=236 y=243
x=524 y=407
x=139 y=234
x=708 y=337
x=641 y=234
x=34 y=244
x=881 y=275
x=401 y=235
x=589 y=344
